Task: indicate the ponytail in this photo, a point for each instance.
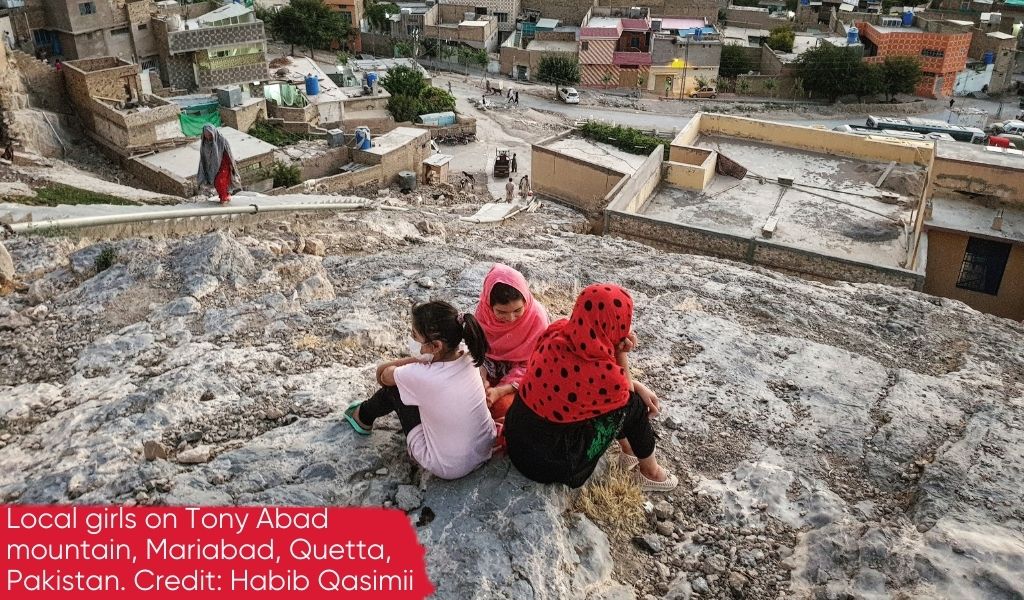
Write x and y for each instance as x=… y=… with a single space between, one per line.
x=440 y=321
x=475 y=339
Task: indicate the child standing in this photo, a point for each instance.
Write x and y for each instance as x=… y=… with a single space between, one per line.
x=437 y=393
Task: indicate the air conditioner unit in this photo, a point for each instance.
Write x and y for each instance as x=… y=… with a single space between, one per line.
x=995 y=18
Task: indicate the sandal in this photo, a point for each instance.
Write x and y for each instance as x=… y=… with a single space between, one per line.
x=627 y=462
x=649 y=485
x=350 y=417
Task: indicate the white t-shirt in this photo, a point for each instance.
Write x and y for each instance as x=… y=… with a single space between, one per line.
x=456 y=433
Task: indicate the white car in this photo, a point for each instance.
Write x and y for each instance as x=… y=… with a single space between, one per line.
x=569 y=95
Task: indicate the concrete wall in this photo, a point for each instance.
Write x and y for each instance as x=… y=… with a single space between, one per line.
x=243 y=117
x=945 y=257
x=697 y=53
x=634 y=191
x=408 y=157
x=1005 y=54
x=326 y=163
x=337 y=183
x=676 y=237
x=978 y=178
x=572 y=11
x=572 y=181
x=756 y=18
x=805 y=138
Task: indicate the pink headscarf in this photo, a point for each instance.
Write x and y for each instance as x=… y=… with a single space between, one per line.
x=515 y=341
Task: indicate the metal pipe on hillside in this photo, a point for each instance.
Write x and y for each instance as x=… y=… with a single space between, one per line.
x=163 y=215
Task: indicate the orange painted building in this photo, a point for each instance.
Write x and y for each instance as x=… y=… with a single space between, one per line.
x=352 y=12
x=942 y=55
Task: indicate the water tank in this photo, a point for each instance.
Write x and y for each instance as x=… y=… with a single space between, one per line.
x=406 y=181
x=908 y=18
x=363 y=141
x=805 y=2
x=989 y=58
x=335 y=138
x=852 y=36
x=469 y=16
x=312 y=85
x=229 y=96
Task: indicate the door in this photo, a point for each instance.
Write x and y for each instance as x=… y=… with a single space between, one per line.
x=522 y=74
x=627 y=78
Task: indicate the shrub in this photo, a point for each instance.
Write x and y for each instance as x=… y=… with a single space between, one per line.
x=626 y=139
x=274 y=135
x=284 y=175
x=105 y=259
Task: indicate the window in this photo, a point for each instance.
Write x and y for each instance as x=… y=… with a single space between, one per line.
x=149 y=63
x=933 y=53
x=983 y=266
x=634 y=42
x=86 y=8
x=119 y=31
x=481 y=10
x=584 y=46
x=502 y=17
x=410 y=29
x=143 y=27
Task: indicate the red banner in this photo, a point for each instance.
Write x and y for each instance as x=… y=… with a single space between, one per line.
x=227 y=552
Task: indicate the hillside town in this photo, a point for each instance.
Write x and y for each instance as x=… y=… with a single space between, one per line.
x=216 y=216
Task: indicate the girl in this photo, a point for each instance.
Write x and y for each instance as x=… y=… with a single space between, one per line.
x=437 y=393
x=513 y=321
x=577 y=396
x=217 y=164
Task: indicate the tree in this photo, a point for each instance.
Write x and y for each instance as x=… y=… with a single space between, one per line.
x=404 y=81
x=900 y=75
x=734 y=61
x=558 y=70
x=433 y=100
x=769 y=86
x=404 y=108
x=310 y=24
x=781 y=39
x=829 y=71
x=377 y=14
x=868 y=81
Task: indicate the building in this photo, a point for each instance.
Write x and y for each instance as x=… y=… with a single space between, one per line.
x=942 y=55
x=685 y=54
x=458 y=25
x=107 y=94
x=88 y=29
x=505 y=12
x=352 y=13
x=615 y=47
x=173 y=171
x=521 y=53
x=225 y=46
x=998 y=49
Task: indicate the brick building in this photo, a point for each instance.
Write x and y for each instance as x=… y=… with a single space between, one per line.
x=504 y=11
x=942 y=55
x=223 y=47
x=685 y=54
x=352 y=12
x=77 y=29
x=615 y=47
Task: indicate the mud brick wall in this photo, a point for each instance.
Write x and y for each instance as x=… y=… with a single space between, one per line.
x=44 y=84
x=571 y=12
x=243 y=117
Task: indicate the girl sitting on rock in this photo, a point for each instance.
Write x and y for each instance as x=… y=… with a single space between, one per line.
x=512 y=321
x=437 y=393
x=577 y=397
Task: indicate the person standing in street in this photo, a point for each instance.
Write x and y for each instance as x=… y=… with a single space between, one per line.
x=951 y=103
x=510 y=190
x=515 y=164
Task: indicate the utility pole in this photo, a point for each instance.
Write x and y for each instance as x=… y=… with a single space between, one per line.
x=686 y=67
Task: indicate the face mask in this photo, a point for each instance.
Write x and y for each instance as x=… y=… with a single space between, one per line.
x=416 y=351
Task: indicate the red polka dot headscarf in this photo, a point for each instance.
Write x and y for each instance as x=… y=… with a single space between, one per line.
x=572 y=374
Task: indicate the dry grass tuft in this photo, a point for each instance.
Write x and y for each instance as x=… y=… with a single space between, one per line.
x=308 y=342
x=613 y=499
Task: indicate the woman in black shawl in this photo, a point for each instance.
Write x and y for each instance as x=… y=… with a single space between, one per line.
x=217 y=164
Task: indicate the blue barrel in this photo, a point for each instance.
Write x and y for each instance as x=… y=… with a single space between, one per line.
x=371 y=79
x=989 y=58
x=908 y=18
x=805 y=2
x=312 y=85
x=852 y=36
x=363 y=138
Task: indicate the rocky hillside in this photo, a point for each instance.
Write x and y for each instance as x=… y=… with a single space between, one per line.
x=833 y=441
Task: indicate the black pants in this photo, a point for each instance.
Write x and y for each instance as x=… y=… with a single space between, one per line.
x=386 y=401
x=568 y=453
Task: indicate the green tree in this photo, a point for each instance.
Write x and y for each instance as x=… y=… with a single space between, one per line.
x=769 y=86
x=310 y=24
x=558 y=70
x=432 y=100
x=403 y=49
x=734 y=61
x=377 y=14
x=781 y=39
x=900 y=75
x=404 y=81
x=829 y=71
x=404 y=108
x=868 y=81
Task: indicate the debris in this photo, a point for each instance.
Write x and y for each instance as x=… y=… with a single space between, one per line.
x=194 y=456
x=153 y=450
x=408 y=497
x=649 y=542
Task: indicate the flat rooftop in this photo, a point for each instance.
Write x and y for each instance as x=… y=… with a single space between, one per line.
x=833 y=208
x=979 y=154
x=598 y=153
x=975 y=217
x=551 y=46
x=394 y=139
x=886 y=29
x=183 y=162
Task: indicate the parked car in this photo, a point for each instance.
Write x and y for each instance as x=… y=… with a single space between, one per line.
x=705 y=92
x=569 y=95
x=1012 y=127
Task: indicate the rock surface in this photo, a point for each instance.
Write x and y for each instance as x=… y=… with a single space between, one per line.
x=832 y=441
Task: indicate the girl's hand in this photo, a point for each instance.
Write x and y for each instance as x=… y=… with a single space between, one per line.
x=628 y=344
x=497 y=393
x=649 y=398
